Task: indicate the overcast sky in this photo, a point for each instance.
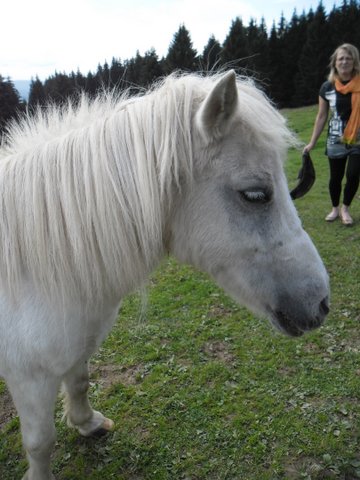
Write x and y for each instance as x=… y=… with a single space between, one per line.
x=39 y=37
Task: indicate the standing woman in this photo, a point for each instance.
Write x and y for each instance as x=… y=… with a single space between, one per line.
x=340 y=95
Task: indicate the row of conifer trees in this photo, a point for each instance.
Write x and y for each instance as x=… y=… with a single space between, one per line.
x=289 y=62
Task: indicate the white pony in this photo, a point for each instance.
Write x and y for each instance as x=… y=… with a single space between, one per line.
x=94 y=195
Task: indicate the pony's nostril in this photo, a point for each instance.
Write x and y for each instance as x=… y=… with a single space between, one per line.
x=324 y=306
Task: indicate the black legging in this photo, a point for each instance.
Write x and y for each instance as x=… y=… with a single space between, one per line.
x=337 y=170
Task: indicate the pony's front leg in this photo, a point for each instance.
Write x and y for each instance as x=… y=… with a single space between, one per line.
x=35 y=399
x=78 y=411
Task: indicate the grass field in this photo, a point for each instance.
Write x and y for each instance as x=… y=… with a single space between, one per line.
x=203 y=390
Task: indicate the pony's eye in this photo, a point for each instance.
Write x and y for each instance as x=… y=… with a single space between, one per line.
x=255 y=196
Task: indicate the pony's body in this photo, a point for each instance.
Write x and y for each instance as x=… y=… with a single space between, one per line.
x=92 y=198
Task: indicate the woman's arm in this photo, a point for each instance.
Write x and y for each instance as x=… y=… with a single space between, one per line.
x=319 y=124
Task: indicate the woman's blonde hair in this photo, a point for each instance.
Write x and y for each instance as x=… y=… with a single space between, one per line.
x=353 y=52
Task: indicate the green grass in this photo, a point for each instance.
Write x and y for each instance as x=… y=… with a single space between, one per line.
x=201 y=389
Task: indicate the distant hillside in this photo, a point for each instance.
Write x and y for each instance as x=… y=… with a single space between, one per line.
x=23 y=87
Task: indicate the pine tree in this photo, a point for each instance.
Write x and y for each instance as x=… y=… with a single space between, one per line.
x=344 y=24
x=314 y=60
x=59 y=87
x=37 y=94
x=91 y=84
x=276 y=67
x=293 y=42
x=79 y=81
x=151 y=68
x=235 y=51
x=10 y=103
x=117 y=73
x=106 y=75
x=99 y=77
x=133 y=72
x=211 y=56
x=282 y=26
x=258 y=61
x=181 y=54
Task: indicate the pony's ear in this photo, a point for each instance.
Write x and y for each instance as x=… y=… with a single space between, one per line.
x=219 y=105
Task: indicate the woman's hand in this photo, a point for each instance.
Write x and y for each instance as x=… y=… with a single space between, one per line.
x=308 y=147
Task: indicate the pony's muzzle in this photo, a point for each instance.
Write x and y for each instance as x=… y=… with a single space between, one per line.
x=298 y=321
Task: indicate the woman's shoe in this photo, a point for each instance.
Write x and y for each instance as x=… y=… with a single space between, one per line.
x=333 y=215
x=346 y=218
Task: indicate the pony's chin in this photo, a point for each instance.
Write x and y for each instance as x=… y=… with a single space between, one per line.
x=285 y=324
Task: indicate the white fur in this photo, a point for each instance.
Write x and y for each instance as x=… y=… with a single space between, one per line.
x=91 y=198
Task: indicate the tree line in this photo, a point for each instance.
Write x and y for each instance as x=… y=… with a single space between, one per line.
x=289 y=62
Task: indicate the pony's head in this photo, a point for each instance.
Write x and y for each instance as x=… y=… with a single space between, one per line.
x=236 y=219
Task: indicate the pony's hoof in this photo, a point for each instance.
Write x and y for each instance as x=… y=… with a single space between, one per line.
x=96 y=426
x=106 y=427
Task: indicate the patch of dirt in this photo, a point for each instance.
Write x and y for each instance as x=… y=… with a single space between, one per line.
x=7 y=409
x=219 y=350
x=108 y=375
x=298 y=468
x=219 y=311
x=311 y=347
x=287 y=371
x=142 y=432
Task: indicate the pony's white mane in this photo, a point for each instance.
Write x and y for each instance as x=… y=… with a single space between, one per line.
x=85 y=189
